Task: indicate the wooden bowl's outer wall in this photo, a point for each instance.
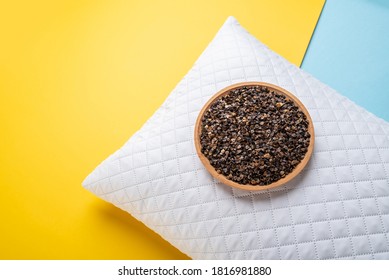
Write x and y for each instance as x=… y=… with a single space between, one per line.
x=221 y=177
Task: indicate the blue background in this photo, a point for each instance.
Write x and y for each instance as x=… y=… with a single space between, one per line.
x=350 y=52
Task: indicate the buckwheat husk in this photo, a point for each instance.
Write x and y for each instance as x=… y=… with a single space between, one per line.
x=254 y=136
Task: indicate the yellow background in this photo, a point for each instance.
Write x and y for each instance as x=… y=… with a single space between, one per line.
x=77 y=78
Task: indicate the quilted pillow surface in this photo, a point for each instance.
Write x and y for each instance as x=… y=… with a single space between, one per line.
x=336 y=208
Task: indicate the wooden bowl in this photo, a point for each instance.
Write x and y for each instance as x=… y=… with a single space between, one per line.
x=231 y=183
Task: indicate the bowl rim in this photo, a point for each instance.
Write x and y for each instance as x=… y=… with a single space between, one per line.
x=221 y=177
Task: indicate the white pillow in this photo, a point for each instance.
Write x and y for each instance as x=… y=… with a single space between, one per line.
x=338 y=207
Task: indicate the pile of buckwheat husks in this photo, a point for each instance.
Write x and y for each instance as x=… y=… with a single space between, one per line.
x=253 y=135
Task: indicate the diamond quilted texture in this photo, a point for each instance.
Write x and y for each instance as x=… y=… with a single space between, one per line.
x=338 y=207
